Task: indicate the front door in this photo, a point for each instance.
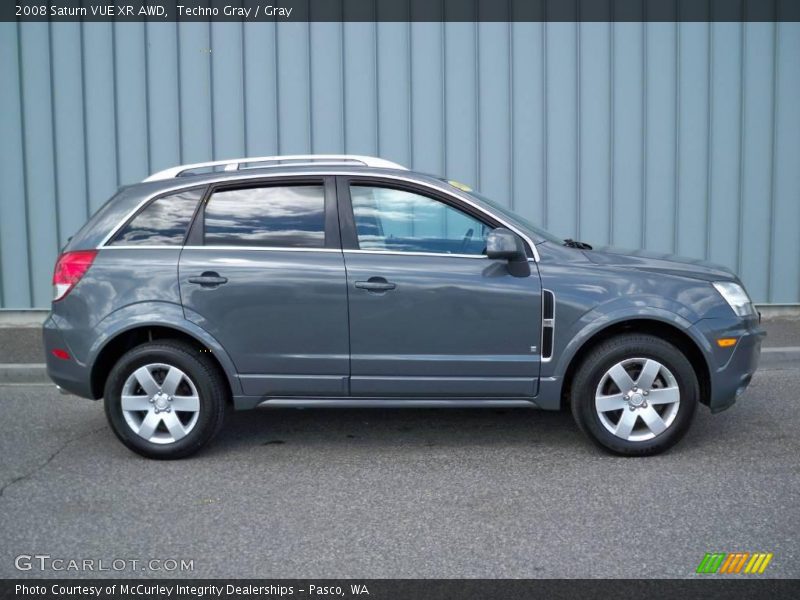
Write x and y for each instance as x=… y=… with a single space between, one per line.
x=265 y=276
x=430 y=314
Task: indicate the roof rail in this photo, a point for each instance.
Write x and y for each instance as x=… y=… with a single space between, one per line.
x=236 y=164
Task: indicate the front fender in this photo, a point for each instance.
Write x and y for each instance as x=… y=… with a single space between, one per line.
x=573 y=336
x=594 y=321
x=159 y=314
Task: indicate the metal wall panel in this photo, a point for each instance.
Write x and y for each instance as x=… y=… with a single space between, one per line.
x=673 y=137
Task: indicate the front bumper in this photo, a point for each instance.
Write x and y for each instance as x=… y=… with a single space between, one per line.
x=731 y=369
x=68 y=374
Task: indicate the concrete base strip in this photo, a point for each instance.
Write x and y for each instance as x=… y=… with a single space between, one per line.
x=23 y=373
x=787 y=349
x=784 y=357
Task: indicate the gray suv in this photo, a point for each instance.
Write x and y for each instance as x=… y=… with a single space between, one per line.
x=351 y=281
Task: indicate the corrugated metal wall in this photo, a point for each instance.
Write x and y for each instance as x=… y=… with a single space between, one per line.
x=673 y=137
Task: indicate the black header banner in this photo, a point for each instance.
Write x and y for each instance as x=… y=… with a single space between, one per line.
x=400 y=10
x=398 y=589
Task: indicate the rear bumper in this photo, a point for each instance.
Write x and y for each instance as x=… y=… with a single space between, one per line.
x=68 y=374
x=731 y=369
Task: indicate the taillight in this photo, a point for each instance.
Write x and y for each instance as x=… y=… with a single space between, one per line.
x=71 y=266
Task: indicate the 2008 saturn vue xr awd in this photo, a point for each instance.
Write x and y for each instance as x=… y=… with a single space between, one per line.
x=350 y=281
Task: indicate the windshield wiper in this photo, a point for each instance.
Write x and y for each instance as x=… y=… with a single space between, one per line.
x=570 y=243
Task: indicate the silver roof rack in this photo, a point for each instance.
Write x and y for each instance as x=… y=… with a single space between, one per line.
x=236 y=164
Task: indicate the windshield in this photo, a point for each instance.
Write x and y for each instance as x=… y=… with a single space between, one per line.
x=508 y=214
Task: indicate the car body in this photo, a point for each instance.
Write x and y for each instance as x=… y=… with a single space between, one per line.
x=344 y=281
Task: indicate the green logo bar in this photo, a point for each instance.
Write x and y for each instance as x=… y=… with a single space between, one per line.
x=702 y=566
x=711 y=562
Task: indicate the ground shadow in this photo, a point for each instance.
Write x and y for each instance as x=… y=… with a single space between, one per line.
x=388 y=428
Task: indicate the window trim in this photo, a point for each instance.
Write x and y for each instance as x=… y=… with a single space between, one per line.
x=411 y=178
x=350 y=241
x=415 y=253
x=196 y=237
x=109 y=241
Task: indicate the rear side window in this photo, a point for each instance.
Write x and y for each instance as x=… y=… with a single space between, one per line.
x=163 y=222
x=290 y=216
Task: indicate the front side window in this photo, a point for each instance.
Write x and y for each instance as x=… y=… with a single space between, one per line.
x=291 y=216
x=163 y=222
x=402 y=221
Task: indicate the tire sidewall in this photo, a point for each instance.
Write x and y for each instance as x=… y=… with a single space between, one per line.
x=591 y=372
x=206 y=425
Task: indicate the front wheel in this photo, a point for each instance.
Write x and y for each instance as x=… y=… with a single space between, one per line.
x=635 y=395
x=165 y=399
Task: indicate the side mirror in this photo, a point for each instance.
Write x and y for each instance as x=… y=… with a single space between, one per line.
x=502 y=243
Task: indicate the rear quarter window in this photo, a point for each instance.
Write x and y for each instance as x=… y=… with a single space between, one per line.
x=163 y=222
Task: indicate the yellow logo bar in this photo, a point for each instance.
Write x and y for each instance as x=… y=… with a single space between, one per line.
x=758 y=563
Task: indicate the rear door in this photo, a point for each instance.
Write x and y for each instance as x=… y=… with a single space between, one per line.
x=430 y=314
x=263 y=273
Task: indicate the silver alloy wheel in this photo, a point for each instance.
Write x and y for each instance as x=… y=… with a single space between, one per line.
x=160 y=403
x=637 y=399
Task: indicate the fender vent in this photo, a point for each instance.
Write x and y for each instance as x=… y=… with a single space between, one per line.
x=548 y=305
x=548 y=323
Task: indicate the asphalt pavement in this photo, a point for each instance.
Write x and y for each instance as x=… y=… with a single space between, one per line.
x=401 y=493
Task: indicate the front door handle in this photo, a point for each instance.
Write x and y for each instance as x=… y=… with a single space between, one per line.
x=209 y=279
x=375 y=284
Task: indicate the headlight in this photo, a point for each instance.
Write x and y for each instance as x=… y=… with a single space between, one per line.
x=736 y=297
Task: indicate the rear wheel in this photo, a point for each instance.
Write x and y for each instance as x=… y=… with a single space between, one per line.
x=165 y=399
x=635 y=395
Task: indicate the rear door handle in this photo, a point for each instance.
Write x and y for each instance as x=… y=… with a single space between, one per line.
x=209 y=279
x=376 y=284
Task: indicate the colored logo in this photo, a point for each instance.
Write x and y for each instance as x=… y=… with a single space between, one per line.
x=736 y=562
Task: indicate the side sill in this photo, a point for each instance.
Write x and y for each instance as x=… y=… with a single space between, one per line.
x=249 y=402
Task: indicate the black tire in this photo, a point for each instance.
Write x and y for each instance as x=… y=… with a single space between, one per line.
x=212 y=390
x=602 y=358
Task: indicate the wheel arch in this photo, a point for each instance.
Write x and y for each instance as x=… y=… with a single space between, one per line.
x=663 y=329
x=129 y=337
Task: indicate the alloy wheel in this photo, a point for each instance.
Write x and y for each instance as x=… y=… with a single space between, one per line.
x=637 y=399
x=160 y=403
